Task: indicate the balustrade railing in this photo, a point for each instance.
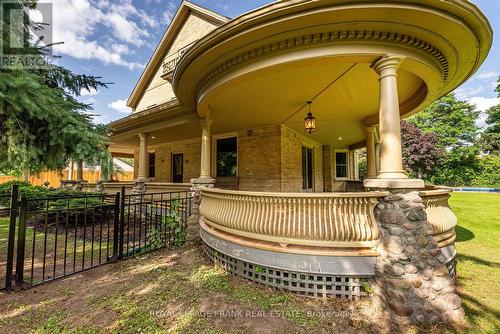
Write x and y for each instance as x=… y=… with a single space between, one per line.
x=440 y=215
x=344 y=220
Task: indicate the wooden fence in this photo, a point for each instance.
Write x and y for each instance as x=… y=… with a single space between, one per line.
x=54 y=177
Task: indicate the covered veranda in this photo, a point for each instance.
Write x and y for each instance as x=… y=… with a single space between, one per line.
x=362 y=66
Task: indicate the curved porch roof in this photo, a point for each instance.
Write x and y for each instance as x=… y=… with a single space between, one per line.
x=262 y=67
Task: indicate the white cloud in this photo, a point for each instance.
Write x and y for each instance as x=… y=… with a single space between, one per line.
x=468 y=92
x=487 y=75
x=483 y=104
x=120 y=105
x=83 y=24
x=91 y=92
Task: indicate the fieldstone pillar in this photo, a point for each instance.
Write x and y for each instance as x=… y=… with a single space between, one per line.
x=411 y=284
x=371 y=164
x=142 y=173
x=391 y=173
x=204 y=181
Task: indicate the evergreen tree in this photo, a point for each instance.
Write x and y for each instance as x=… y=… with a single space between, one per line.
x=42 y=125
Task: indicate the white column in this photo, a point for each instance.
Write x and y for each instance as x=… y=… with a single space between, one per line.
x=206 y=152
x=79 y=171
x=71 y=169
x=142 y=173
x=371 y=167
x=391 y=173
x=391 y=159
x=377 y=157
x=356 y=165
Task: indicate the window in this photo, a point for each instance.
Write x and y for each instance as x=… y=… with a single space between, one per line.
x=152 y=160
x=307 y=168
x=341 y=164
x=227 y=157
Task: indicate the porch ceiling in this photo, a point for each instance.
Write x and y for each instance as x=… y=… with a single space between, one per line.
x=345 y=92
x=262 y=66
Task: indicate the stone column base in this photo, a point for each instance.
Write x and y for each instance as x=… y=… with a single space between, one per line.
x=99 y=187
x=139 y=187
x=71 y=185
x=394 y=183
x=411 y=284
x=193 y=228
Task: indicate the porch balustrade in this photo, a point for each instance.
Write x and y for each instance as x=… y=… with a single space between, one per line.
x=312 y=221
x=343 y=220
x=440 y=215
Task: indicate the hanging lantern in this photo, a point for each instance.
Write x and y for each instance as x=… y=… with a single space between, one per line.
x=310 y=120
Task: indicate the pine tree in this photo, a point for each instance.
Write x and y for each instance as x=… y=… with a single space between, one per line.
x=42 y=124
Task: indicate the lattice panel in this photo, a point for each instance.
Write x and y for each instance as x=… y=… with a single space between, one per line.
x=314 y=285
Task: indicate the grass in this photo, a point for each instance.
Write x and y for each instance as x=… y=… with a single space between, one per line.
x=478 y=267
x=77 y=257
x=175 y=291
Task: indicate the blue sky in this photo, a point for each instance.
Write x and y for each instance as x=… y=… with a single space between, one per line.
x=114 y=39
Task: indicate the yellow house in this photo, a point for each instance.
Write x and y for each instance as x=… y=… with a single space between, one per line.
x=263 y=115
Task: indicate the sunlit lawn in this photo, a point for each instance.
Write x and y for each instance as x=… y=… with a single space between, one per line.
x=79 y=254
x=478 y=247
x=122 y=296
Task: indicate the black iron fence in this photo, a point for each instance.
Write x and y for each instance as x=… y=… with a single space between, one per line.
x=53 y=237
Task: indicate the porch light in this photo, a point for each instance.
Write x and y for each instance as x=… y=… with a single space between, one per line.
x=310 y=120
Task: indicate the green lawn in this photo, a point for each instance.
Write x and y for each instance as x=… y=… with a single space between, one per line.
x=478 y=247
x=162 y=291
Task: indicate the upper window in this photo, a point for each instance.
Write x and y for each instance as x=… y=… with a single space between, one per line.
x=341 y=164
x=227 y=157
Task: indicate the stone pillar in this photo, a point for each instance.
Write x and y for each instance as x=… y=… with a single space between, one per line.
x=142 y=173
x=204 y=181
x=371 y=166
x=411 y=284
x=391 y=173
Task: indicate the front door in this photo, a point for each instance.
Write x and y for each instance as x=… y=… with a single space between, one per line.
x=177 y=168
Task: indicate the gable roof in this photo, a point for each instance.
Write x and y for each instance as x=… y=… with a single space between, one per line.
x=168 y=38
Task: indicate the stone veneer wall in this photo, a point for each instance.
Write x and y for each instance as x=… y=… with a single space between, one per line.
x=411 y=284
x=191 y=148
x=259 y=165
x=269 y=159
x=291 y=161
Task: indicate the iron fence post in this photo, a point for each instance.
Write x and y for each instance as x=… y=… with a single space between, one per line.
x=121 y=223
x=14 y=205
x=21 y=240
x=116 y=227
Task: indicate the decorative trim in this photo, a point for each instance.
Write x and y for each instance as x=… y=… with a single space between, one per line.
x=166 y=112
x=306 y=284
x=328 y=37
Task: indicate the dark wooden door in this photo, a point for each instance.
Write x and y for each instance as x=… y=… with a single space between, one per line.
x=177 y=168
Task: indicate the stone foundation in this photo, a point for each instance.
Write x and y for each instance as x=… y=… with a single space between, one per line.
x=193 y=226
x=411 y=284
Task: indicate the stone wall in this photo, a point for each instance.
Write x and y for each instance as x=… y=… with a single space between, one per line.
x=259 y=154
x=411 y=284
x=191 y=148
